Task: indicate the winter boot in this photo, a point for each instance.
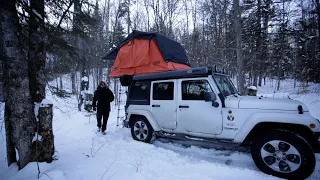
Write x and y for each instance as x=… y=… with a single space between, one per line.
x=98 y=130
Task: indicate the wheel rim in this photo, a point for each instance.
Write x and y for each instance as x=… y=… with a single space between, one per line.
x=281 y=156
x=140 y=130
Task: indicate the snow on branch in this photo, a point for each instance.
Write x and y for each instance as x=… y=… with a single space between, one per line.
x=37 y=14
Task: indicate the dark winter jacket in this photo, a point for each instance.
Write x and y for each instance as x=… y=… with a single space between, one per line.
x=104 y=96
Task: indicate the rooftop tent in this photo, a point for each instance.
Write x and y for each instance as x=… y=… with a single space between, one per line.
x=143 y=53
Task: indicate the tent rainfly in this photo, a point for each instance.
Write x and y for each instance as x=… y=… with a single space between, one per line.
x=144 y=52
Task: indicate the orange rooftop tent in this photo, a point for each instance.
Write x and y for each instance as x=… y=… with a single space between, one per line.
x=143 y=53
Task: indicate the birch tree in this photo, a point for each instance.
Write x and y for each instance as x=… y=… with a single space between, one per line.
x=237 y=27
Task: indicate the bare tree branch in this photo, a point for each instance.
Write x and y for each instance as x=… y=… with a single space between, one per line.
x=65 y=13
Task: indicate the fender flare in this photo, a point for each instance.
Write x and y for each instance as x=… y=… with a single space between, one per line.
x=284 y=118
x=147 y=115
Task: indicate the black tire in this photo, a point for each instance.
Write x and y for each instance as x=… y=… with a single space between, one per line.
x=306 y=162
x=145 y=125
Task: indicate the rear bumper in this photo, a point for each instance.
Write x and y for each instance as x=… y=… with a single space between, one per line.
x=126 y=123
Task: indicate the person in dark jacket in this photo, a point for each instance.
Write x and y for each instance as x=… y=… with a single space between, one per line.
x=104 y=96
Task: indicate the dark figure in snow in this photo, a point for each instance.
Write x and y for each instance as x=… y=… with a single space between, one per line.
x=104 y=96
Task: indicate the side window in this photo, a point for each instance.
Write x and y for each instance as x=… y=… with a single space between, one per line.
x=163 y=91
x=140 y=91
x=195 y=89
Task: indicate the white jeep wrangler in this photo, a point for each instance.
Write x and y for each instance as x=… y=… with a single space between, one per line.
x=202 y=106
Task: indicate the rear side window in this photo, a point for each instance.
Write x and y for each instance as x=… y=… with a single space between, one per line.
x=163 y=91
x=195 y=89
x=140 y=91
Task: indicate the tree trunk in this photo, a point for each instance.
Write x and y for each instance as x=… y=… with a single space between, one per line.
x=36 y=52
x=260 y=80
x=43 y=150
x=107 y=22
x=128 y=17
x=225 y=27
x=318 y=14
x=237 y=26
x=147 y=10
x=73 y=82
x=259 y=49
x=11 y=152
x=19 y=115
x=115 y=91
x=57 y=85
x=282 y=30
x=279 y=74
x=61 y=83
x=100 y=74
x=79 y=43
x=255 y=80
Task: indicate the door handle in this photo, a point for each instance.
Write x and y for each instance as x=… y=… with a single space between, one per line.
x=155 y=105
x=183 y=106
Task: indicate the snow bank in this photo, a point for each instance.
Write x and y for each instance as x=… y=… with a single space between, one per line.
x=45 y=102
x=252 y=88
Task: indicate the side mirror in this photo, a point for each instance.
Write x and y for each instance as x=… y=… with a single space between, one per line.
x=210 y=96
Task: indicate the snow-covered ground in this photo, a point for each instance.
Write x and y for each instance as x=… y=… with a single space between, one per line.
x=85 y=154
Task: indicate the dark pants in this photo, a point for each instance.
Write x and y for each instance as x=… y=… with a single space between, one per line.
x=105 y=116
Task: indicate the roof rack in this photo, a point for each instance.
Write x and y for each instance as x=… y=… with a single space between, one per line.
x=185 y=73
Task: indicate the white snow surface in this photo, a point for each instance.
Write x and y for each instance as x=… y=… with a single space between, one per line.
x=85 y=154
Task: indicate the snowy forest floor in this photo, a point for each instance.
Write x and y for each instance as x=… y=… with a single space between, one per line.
x=85 y=154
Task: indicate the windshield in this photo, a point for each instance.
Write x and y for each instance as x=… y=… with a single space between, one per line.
x=225 y=85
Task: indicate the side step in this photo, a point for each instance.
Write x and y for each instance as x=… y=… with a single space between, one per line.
x=209 y=143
